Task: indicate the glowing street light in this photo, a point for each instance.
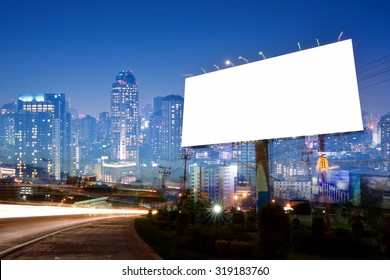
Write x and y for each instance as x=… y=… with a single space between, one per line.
x=244 y=59
x=228 y=62
x=261 y=53
x=217 y=209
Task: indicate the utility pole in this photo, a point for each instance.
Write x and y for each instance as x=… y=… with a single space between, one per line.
x=305 y=156
x=186 y=155
x=164 y=170
x=262 y=174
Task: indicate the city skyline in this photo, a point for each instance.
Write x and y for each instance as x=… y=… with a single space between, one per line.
x=77 y=47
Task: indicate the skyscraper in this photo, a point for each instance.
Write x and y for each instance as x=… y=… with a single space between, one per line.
x=103 y=127
x=42 y=136
x=64 y=118
x=125 y=121
x=7 y=133
x=155 y=135
x=88 y=129
x=172 y=122
x=384 y=125
x=157 y=103
x=245 y=155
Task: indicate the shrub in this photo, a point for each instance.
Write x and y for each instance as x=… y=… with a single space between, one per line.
x=251 y=221
x=241 y=250
x=173 y=215
x=183 y=221
x=357 y=229
x=296 y=226
x=235 y=249
x=303 y=208
x=274 y=232
x=222 y=248
x=238 y=219
x=318 y=226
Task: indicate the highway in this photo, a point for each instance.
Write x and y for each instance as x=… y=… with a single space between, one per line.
x=72 y=237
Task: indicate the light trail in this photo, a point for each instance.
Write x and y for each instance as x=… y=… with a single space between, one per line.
x=18 y=211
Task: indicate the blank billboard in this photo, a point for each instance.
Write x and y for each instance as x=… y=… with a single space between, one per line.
x=303 y=93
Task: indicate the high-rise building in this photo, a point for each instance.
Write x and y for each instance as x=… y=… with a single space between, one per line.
x=384 y=125
x=155 y=126
x=228 y=182
x=218 y=182
x=196 y=181
x=7 y=133
x=125 y=121
x=103 y=127
x=64 y=118
x=42 y=136
x=245 y=155
x=172 y=120
x=157 y=103
x=144 y=140
x=88 y=130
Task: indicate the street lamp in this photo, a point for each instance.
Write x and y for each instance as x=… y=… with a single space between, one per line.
x=244 y=59
x=204 y=71
x=341 y=34
x=228 y=62
x=261 y=53
x=216 y=212
x=217 y=209
x=216 y=66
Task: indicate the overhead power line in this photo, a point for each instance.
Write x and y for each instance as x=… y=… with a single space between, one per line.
x=372 y=75
x=374 y=84
x=372 y=67
x=367 y=64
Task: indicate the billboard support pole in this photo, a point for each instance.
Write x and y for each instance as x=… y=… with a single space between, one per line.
x=262 y=174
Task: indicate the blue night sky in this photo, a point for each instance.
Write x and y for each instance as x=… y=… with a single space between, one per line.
x=77 y=47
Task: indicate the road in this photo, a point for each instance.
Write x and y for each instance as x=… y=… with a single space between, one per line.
x=78 y=237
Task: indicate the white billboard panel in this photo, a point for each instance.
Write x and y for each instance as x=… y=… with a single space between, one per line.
x=304 y=93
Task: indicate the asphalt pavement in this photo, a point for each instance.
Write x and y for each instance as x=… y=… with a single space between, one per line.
x=105 y=239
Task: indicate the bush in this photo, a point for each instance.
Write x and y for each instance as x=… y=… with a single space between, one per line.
x=318 y=226
x=251 y=221
x=303 y=208
x=241 y=250
x=223 y=248
x=162 y=215
x=357 y=229
x=274 y=232
x=173 y=215
x=238 y=219
x=235 y=249
x=207 y=241
x=296 y=225
x=183 y=221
